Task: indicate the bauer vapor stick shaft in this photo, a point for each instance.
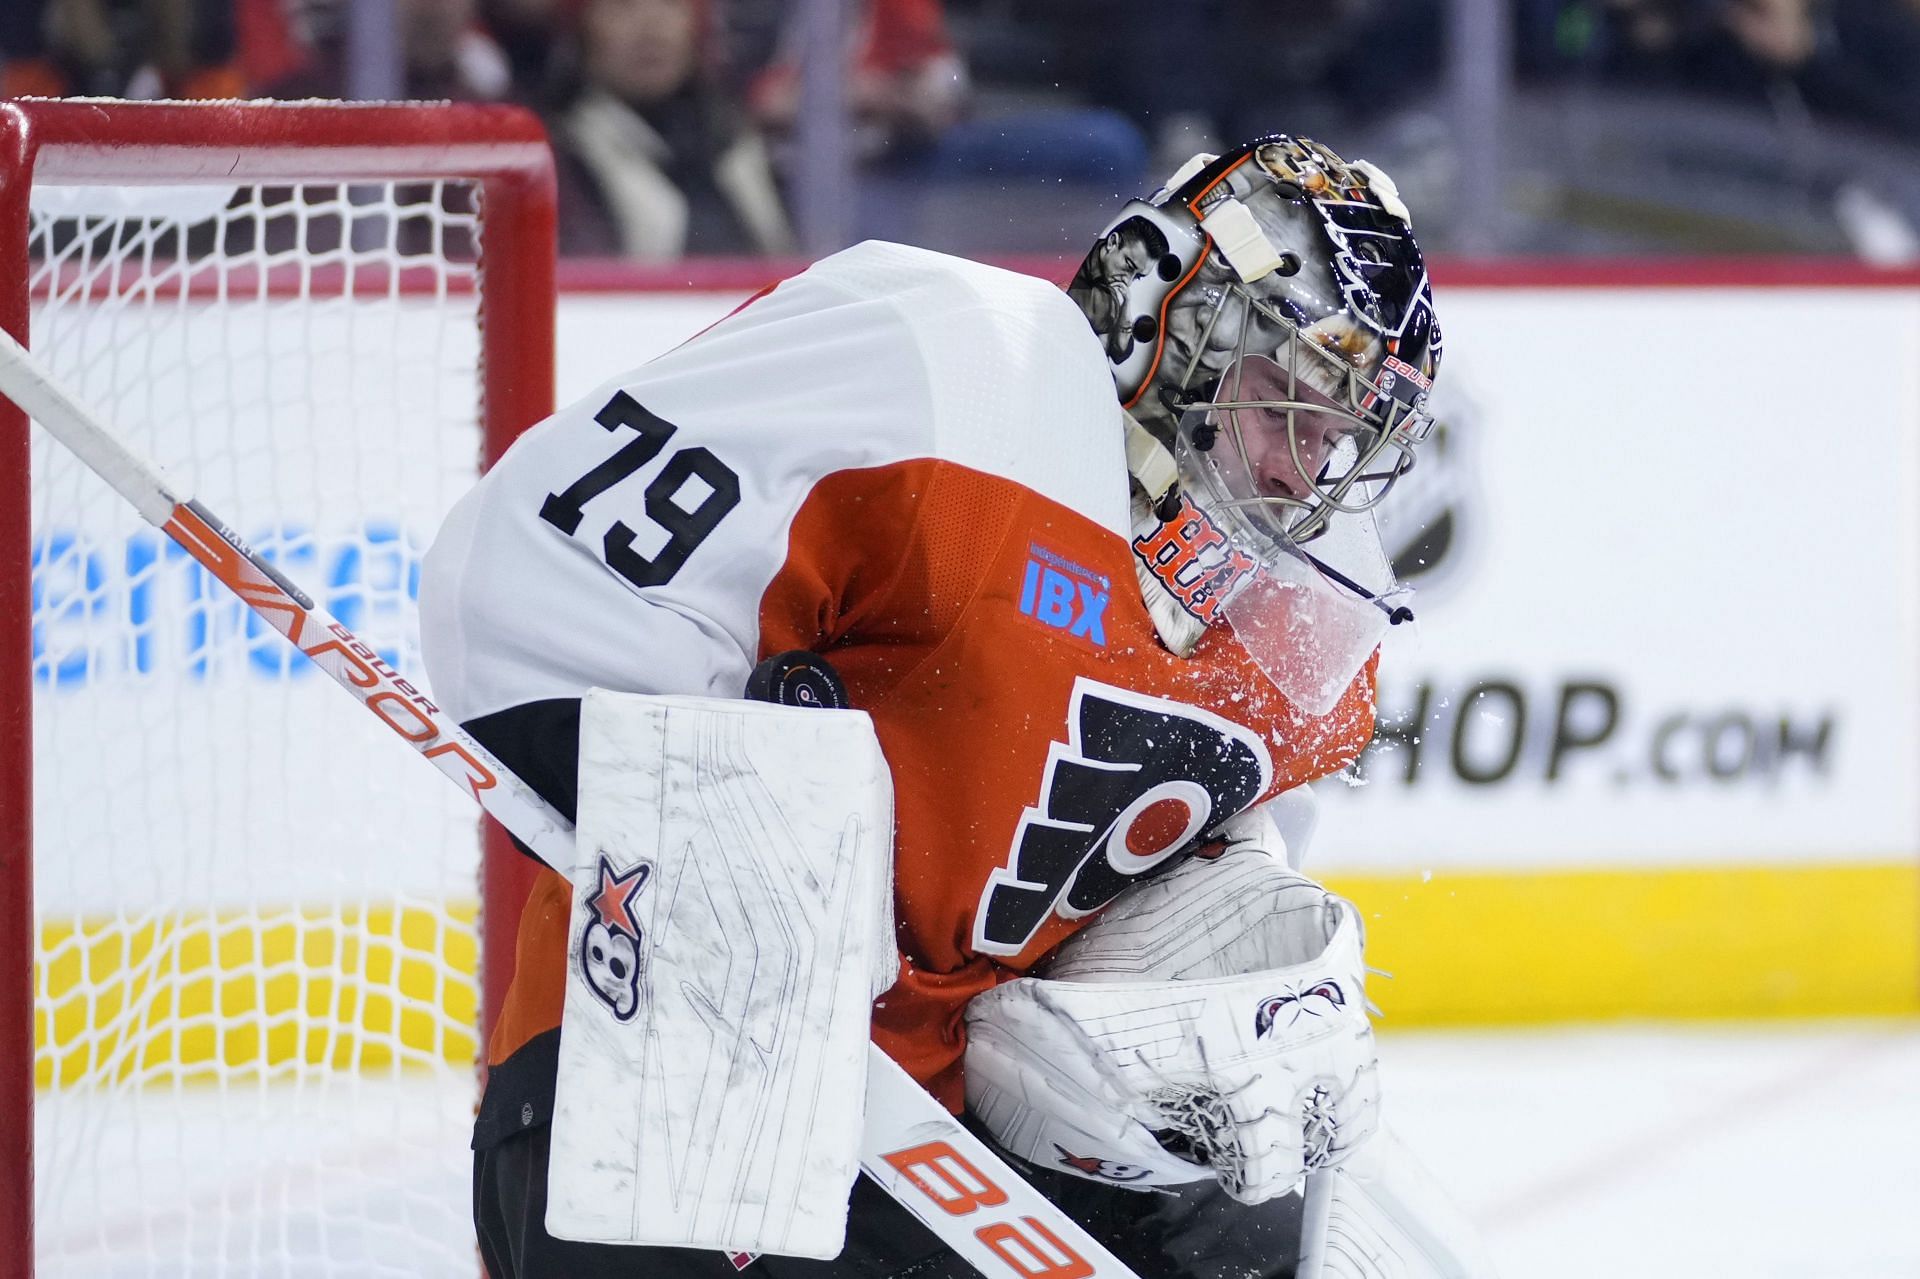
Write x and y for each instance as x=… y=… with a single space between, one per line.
x=911 y=1146
x=285 y=607
x=1316 y=1210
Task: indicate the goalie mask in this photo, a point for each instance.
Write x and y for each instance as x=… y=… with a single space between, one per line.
x=1269 y=324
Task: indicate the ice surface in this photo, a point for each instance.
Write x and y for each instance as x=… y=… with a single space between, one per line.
x=1758 y=1151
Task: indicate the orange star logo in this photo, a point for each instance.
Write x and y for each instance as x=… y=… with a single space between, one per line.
x=1084 y=1163
x=1105 y=1169
x=612 y=901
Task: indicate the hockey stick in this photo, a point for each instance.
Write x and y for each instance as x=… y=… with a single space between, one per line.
x=1316 y=1209
x=285 y=607
x=917 y=1152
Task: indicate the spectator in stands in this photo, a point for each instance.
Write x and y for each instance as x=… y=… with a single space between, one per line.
x=444 y=53
x=906 y=82
x=530 y=33
x=654 y=160
x=930 y=148
x=1851 y=60
x=449 y=54
x=1854 y=60
x=119 y=48
x=1319 y=66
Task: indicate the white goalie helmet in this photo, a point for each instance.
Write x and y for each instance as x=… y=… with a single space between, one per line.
x=1269 y=323
x=1212 y=1023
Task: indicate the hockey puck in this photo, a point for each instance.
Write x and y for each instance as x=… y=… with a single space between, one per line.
x=797 y=678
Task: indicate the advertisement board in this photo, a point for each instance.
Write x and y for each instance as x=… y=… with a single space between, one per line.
x=1649 y=746
x=1647 y=749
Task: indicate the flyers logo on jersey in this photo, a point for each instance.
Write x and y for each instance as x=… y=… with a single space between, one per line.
x=610 y=953
x=1064 y=595
x=1137 y=783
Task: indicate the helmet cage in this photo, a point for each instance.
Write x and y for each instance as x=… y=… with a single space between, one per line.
x=1364 y=430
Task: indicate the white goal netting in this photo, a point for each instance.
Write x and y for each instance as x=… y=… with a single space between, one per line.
x=255 y=980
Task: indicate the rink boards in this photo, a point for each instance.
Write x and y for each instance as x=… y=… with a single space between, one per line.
x=1651 y=744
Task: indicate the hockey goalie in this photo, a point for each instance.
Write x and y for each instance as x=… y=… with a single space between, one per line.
x=1095 y=592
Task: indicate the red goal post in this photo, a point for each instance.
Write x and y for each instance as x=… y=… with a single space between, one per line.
x=498 y=156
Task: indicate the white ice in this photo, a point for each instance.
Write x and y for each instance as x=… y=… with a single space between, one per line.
x=1778 y=1150
x=1761 y=1151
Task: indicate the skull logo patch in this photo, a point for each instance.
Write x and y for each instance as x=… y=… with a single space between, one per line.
x=610 y=944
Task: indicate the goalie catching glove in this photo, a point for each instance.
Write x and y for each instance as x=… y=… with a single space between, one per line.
x=1211 y=1023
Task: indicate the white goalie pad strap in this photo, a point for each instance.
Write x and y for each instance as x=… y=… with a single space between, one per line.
x=726 y=943
x=1240 y=240
x=1148 y=460
x=1384 y=188
x=1216 y=1013
x=1192 y=165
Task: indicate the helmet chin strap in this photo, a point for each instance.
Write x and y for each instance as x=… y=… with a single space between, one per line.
x=1152 y=466
x=1156 y=499
x=1396 y=613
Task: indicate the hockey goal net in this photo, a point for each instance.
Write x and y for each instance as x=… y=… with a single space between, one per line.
x=249 y=1041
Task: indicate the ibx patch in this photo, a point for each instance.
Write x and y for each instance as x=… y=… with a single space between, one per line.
x=1064 y=595
x=610 y=950
x=1317 y=1000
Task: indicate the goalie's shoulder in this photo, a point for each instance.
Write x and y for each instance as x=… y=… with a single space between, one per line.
x=971 y=320
x=883 y=352
x=1017 y=383
x=929 y=287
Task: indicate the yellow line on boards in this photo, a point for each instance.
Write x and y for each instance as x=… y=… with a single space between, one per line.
x=1745 y=941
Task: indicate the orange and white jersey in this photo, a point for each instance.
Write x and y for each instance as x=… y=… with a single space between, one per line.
x=914 y=465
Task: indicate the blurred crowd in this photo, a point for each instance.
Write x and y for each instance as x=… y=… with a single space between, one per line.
x=1850 y=60
x=674 y=120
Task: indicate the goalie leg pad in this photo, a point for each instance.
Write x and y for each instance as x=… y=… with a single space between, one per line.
x=731 y=926
x=1390 y=1218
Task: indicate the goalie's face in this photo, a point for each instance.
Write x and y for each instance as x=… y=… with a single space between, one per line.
x=1297 y=430
x=1287 y=452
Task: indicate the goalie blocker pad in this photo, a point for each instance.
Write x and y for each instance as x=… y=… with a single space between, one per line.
x=731 y=927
